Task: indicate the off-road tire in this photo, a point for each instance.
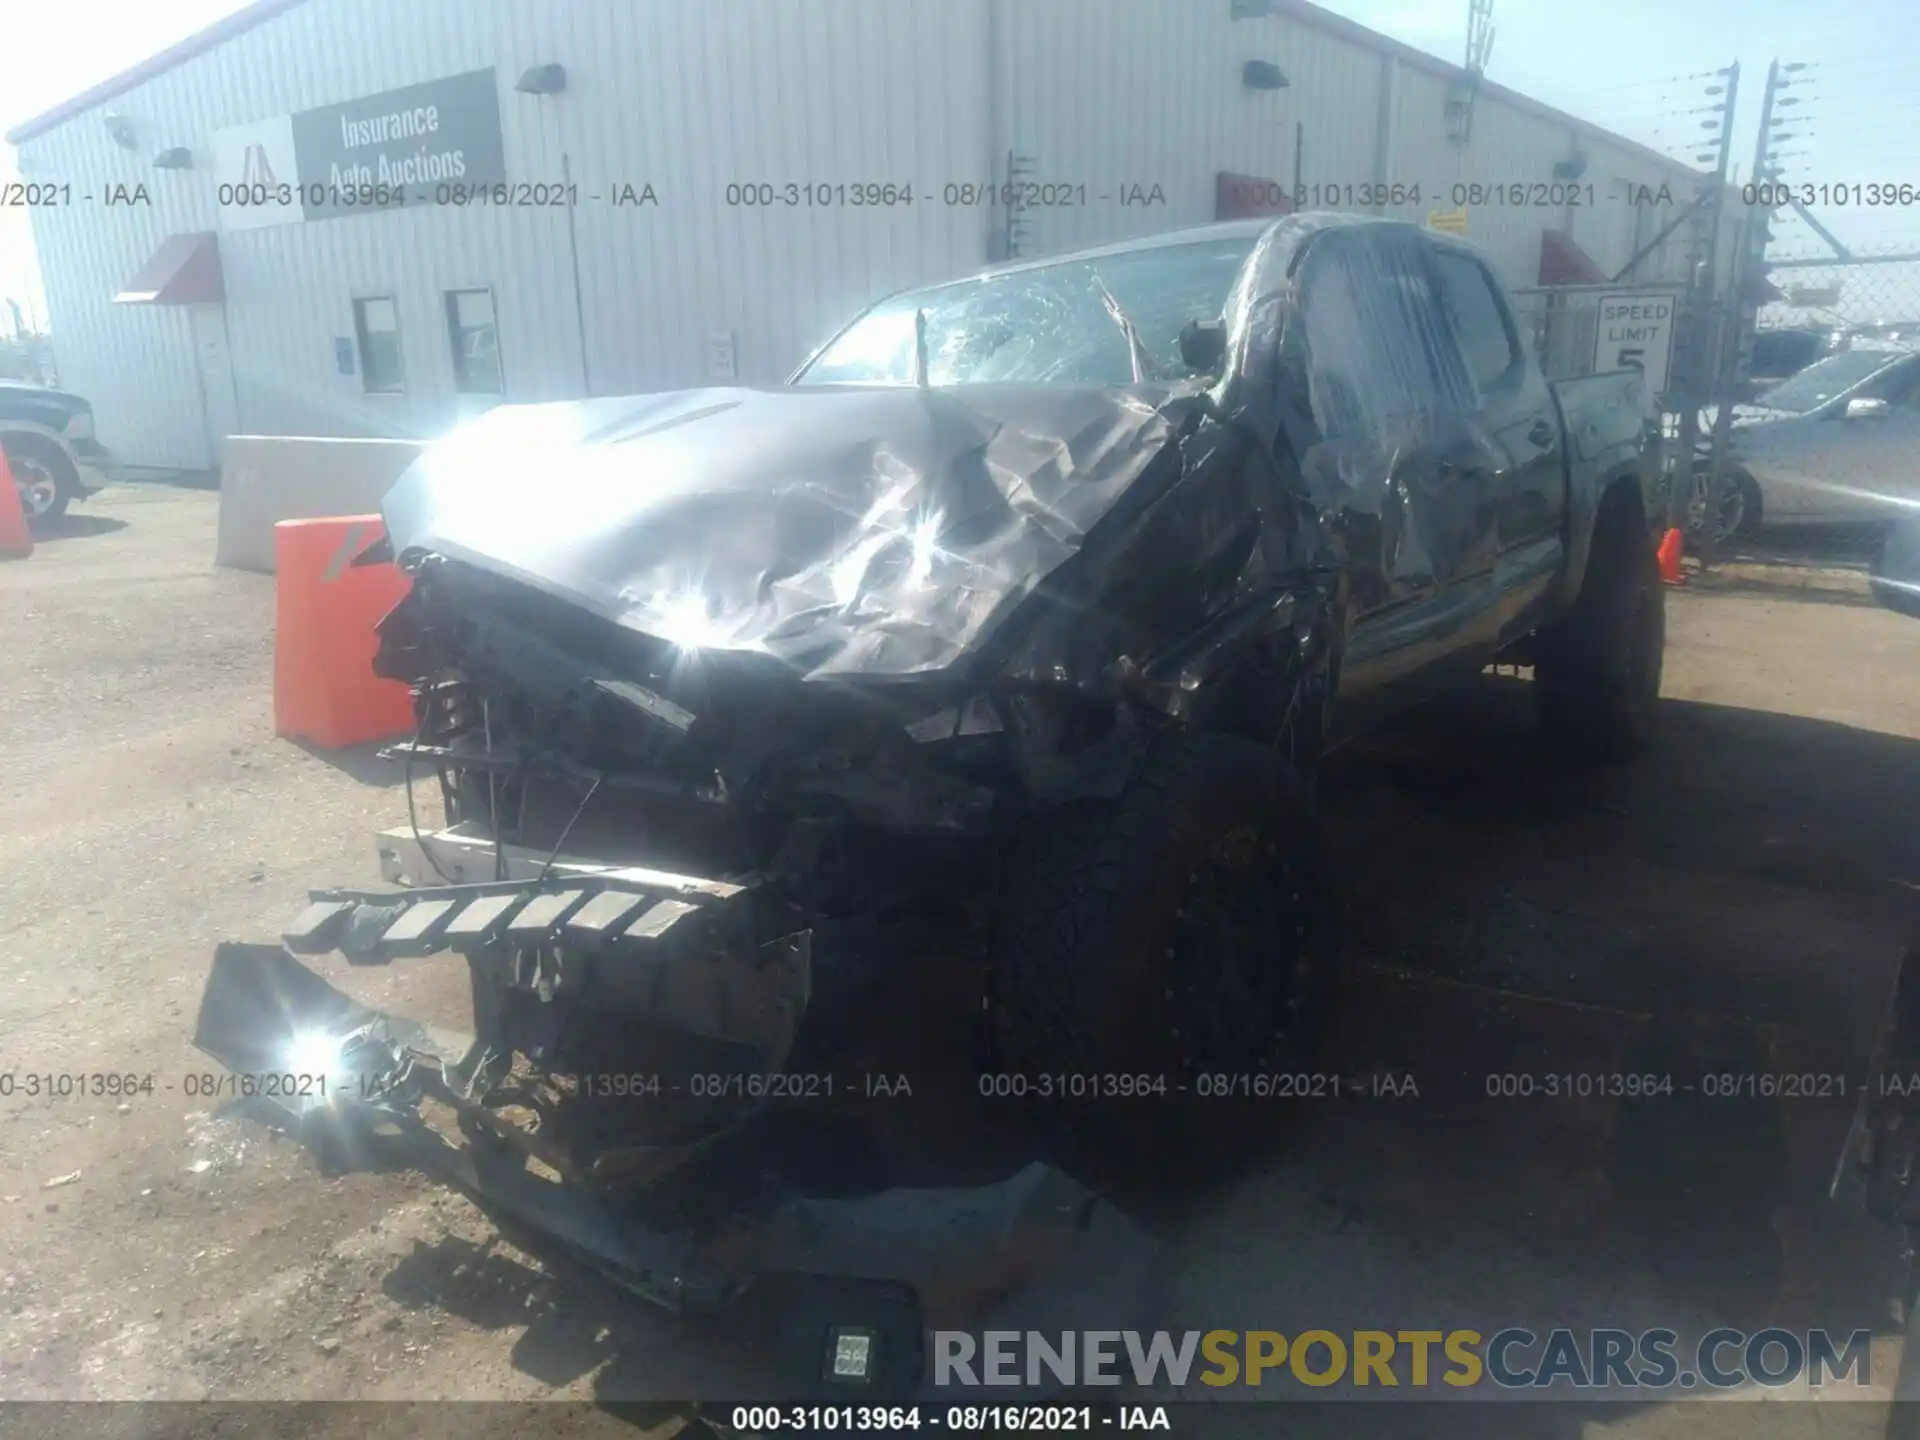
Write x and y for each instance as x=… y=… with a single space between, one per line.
x=1103 y=927
x=1597 y=671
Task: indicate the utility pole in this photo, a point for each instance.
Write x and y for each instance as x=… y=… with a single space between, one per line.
x=1742 y=301
x=1459 y=105
x=1700 y=331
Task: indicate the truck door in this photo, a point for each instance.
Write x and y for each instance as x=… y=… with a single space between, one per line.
x=1528 y=494
x=1403 y=469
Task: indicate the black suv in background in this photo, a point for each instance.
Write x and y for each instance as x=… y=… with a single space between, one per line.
x=1783 y=353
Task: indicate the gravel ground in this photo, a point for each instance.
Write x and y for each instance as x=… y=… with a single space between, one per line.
x=1750 y=885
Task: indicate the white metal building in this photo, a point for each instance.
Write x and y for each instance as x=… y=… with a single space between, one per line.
x=715 y=148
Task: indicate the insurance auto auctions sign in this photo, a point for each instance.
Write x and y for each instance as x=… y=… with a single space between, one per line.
x=1635 y=332
x=392 y=148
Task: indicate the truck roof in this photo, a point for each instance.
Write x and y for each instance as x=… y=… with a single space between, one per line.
x=1193 y=234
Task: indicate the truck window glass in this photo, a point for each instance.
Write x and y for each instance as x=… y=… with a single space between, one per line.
x=1043 y=325
x=1478 y=324
x=1369 y=314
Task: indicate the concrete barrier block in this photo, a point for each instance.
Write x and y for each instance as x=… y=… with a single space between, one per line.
x=268 y=478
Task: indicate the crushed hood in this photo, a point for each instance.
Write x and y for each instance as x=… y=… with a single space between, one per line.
x=875 y=531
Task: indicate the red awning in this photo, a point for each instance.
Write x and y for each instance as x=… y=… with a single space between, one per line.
x=1564 y=263
x=185 y=270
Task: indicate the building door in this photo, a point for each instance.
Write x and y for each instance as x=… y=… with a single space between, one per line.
x=218 y=400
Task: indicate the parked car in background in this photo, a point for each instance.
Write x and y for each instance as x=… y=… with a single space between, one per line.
x=47 y=436
x=1837 y=443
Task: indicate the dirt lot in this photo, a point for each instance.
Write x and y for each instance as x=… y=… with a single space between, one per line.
x=1737 y=902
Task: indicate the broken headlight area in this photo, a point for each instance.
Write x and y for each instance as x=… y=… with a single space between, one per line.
x=714 y=761
x=667 y=873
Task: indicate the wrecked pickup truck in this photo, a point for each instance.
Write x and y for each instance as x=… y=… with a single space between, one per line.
x=1019 y=621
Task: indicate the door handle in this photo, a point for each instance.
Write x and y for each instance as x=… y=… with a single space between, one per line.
x=1542 y=432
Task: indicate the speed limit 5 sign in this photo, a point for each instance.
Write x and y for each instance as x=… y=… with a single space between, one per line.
x=1635 y=332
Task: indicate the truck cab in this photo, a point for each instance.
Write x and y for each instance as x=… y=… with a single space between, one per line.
x=1464 y=487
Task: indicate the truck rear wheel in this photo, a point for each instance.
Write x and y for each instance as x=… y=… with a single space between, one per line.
x=1597 y=672
x=1181 y=931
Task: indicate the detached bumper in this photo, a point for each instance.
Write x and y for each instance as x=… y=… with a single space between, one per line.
x=692 y=1228
x=361 y=1093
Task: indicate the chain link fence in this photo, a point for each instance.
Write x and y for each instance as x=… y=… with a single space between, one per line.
x=1820 y=447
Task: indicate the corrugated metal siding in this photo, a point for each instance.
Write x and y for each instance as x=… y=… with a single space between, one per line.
x=690 y=98
x=1505 y=146
x=751 y=92
x=1149 y=92
x=1511 y=146
x=139 y=366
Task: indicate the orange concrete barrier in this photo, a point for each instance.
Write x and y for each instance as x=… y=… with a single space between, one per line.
x=16 y=540
x=1669 y=554
x=324 y=688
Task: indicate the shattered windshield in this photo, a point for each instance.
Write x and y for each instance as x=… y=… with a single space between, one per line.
x=1821 y=382
x=1040 y=325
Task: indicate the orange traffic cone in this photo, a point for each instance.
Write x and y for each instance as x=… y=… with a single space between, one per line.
x=324 y=688
x=16 y=540
x=1669 y=554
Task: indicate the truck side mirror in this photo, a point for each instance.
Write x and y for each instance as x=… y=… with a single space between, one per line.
x=1895 y=576
x=1864 y=409
x=1203 y=348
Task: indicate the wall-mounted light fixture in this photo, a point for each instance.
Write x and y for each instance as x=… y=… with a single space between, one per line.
x=176 y=158
x=1259 y=75
x=551 y=79
x=543 y=80
x=121 y=129
x=1570 y=169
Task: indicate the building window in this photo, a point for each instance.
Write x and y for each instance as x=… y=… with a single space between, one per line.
x=476 y=342
x=376 y=321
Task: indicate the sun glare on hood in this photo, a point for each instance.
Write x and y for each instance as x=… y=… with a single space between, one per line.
x=684 y=620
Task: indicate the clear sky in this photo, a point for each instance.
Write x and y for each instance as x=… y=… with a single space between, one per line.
x=1635 y=66
x=1620 y=63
